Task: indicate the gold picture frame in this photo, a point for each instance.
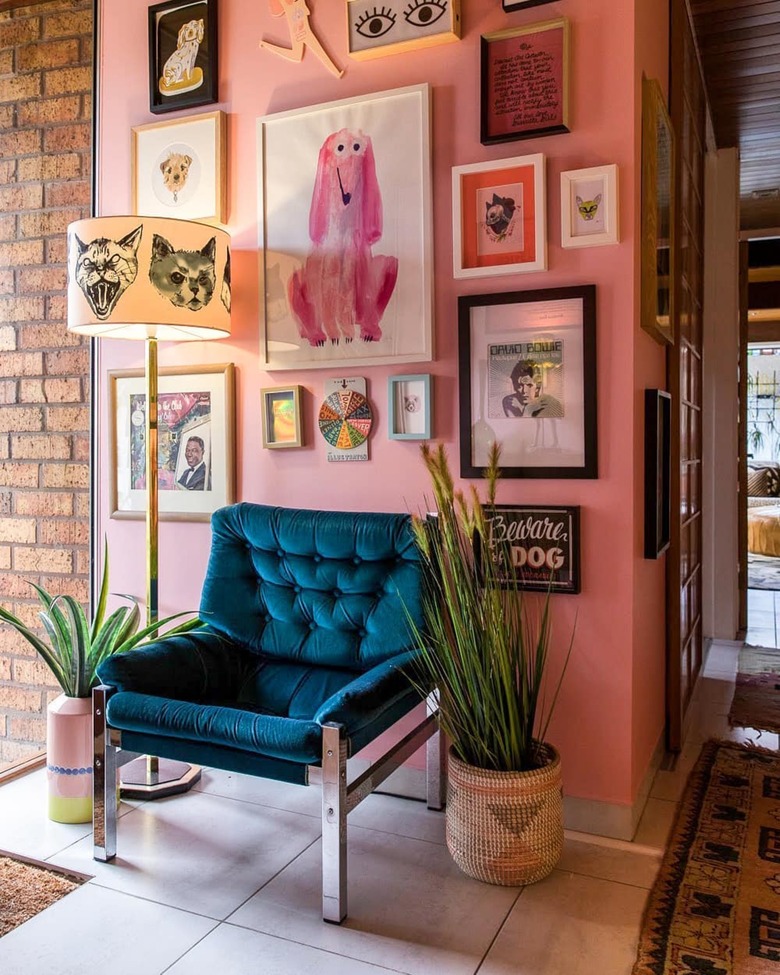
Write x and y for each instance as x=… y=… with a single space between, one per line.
x=193 y=403
x=179 y=168
x=658 y=216
x=281 y=416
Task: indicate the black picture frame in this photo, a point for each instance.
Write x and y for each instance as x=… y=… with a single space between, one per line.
x=543 y=542
x=511 y=5
x=658 y=474
x=555 y=329
x=166 y=21
x=524 y=82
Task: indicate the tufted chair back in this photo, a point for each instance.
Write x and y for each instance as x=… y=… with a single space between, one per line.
x=313 y=588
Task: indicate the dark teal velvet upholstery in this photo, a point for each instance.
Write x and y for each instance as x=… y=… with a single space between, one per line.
x=306 y=624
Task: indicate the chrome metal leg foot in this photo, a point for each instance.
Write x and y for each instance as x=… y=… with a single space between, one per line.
x=334 y=824
x=434 y=761
x=104 y=768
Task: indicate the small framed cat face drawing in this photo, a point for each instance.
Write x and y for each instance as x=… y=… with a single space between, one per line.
x=589 y=207
x=498 y=217
x=178 y=168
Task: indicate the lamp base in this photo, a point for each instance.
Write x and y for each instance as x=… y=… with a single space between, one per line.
x=170 y=779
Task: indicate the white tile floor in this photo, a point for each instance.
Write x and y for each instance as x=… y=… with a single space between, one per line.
x=763 y=618
x=226 y=880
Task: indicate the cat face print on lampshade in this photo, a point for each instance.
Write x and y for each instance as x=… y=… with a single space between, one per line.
x=148 y=277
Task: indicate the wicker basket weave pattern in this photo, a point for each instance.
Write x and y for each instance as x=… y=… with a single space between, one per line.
x=505 y=827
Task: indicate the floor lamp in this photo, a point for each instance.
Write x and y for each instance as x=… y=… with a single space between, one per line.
x=149 y=278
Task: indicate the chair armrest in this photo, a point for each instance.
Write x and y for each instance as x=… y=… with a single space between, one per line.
x=369 y=696
x=195 y=666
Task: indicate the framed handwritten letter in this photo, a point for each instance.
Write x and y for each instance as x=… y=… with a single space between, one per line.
x=525 y=82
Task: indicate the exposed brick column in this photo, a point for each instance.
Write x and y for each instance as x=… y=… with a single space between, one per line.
x=45 y=158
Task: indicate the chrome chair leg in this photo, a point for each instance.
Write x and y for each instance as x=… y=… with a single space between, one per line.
x=334 y=824
x=435 y=779
x=104 y=769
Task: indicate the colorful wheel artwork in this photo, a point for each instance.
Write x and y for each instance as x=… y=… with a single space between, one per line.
x=345 y=419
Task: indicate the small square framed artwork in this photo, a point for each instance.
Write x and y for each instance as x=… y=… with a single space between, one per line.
x=178 y=168
x=281 y=416
x=183 y=69
x=409 y=407
x=498 y=217
x=589 y=207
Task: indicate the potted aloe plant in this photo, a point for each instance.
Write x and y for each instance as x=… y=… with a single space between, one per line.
x=73 y=649
x=485 y=647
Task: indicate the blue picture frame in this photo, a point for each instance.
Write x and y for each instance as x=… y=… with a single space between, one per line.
x=409 y=407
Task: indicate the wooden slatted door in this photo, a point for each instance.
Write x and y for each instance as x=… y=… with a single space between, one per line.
x=684 y=570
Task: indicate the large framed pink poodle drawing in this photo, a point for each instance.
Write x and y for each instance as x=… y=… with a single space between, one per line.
x=345 y=232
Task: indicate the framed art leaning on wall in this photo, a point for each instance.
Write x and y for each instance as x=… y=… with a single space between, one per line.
x=196 y=434
x=345 y=232
x=527 y=380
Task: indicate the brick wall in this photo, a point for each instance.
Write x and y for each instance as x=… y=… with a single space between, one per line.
x=45 y=158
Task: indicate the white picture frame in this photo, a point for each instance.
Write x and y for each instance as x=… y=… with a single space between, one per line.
x=520 y=182
x=589 y=207
x=193 y=402
x=391 y=150
x=164 y=184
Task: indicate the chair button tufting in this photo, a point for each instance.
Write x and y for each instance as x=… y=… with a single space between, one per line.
x=363 y=633
x=312 y=626
x=280 y=553
x=296 y=589
x=357 y=560
x=336 y=593
x=268 y=618
x=318 y=558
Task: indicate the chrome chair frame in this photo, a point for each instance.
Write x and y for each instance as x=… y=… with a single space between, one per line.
x=339 y=797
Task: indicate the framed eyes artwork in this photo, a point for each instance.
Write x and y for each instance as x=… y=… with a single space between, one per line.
x=183 y=69
x=589 y=207
x=375 y=30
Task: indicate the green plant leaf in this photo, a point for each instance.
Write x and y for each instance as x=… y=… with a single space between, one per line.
x=100 y=610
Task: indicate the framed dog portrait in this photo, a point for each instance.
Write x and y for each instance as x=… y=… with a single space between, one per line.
x=498 y=217
x=183 y=68
x=345 y=238
x=178 y=168
x=589 y=207
x=196 y=432
x=527 y=379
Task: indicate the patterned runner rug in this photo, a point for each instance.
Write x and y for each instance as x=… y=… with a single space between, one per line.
x=26 y=889
x=756 y=702
x=715 y=906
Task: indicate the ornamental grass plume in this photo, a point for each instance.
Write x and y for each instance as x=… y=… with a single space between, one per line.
x=485 y=643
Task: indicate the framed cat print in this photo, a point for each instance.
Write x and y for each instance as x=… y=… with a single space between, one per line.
x=178 y=168
x=498 y=217
x=589 y=207
x=196 y=430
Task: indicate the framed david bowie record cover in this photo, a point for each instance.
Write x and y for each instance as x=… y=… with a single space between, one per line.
x=527 y=380
x=196 y=432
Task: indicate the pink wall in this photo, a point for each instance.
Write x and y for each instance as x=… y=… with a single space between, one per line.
x=596 y=720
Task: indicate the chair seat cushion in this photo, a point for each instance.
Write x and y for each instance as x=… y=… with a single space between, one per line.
x=284 y=738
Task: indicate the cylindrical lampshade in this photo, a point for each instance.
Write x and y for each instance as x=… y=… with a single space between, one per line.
x=148 y=277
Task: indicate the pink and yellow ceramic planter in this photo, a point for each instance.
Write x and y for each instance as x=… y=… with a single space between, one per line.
x=69 y=759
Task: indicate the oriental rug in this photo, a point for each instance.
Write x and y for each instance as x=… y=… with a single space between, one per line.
x=756 y=701
x=763 y=572
x=715 y=906
x=26 y=889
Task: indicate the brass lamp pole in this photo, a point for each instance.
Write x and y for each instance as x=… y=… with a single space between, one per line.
x=149 y=278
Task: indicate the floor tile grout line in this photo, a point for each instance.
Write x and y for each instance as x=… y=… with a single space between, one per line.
x=184 y=954
x=306 y=944
x=500 y=928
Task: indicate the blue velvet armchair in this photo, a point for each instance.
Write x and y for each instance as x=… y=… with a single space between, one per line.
x=304 y=660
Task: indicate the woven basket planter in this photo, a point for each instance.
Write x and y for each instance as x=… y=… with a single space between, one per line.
x=505 y=827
